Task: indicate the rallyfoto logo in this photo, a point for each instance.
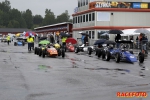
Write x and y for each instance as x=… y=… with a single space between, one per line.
x=131 y=94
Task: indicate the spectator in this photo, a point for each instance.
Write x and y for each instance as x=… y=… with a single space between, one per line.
x=52 y=39
x=144 y=41
x=131 y=45
x=117 y=38
x=86 y=40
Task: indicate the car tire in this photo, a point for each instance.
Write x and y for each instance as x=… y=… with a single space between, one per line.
x=35 y=50
x=15 y=44
x=117 y=58
x=76 y=50
x=99 y=53
x=23 y=43
x=40 y=52
x=89 y=51
x=96 y=52
x=108 y=56
x=103 y=54
x=43 y=53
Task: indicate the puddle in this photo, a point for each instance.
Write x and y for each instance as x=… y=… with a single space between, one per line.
x=43 y=67
x=3 y=51
x=116 y=69
x=16 y=67
x=142 y=84
x=139 y=85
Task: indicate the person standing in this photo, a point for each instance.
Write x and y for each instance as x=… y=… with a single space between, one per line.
x=131 y=45
x=82 y=39
x=30 y=41
x=117 y=38
x=8 y=39
x=86 y=40
x=64 y=42
x=52 y=39
x=144 y=41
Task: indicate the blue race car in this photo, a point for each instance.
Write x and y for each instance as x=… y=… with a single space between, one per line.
x=19 y=42
x=121 y=54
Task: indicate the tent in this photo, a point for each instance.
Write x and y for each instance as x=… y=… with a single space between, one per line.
x=129 y=32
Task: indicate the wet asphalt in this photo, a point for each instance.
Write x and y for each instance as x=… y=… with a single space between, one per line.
x=26 y=76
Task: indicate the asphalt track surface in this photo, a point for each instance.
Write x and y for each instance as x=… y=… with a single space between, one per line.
x=26 y=76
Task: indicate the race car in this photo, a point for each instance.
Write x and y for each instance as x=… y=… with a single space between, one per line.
x=84 y=48
x=51 y=51
x=47 y=49
x=19 y=42
x=121 y=54
x=70 y=47
x=70 y=42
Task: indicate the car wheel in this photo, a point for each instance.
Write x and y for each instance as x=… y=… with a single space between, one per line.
x=117 y=58
x=89 y=50
x=103 y=54
x=96 y=52
x=43 y=53
x=15 y=44
x=23 y=43
x=40 y=52
x=99 y=53
x=108 y=56
x=35 y=50
x=141 y=57
x=76 y=50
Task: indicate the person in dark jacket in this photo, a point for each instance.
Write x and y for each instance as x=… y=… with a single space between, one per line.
x=52 y=39
x=117 y=38
x=86 y=40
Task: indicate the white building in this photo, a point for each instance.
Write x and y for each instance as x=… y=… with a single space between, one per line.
x=98 y=16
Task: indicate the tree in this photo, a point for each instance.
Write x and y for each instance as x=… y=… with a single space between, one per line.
x=49 y=17
x=27 y=15
x=37 y=20
x=5 y=18
x=5 y=6
x=1 y=18
x=15 y=14
x=13 y=24
x=64 y=17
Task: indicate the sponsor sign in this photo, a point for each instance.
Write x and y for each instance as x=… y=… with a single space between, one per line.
x=112 y=4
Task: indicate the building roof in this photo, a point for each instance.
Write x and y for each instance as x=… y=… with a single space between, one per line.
x=11 y=30
x=53 y=25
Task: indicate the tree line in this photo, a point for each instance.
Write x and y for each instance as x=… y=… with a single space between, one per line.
x=13 y=18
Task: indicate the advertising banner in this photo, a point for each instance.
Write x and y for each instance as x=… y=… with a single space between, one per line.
x=111 y=4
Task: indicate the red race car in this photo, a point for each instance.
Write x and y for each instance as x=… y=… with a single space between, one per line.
x=70 y=42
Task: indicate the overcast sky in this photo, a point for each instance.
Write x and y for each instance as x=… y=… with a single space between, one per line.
x=39 y=6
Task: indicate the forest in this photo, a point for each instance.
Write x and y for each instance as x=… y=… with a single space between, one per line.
x=13 y=18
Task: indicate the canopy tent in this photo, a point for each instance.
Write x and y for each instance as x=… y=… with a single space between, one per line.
x=129 y=32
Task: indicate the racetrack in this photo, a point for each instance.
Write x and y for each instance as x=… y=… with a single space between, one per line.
x=26 y=76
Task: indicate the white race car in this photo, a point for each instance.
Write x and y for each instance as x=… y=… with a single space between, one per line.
x=84 y=48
